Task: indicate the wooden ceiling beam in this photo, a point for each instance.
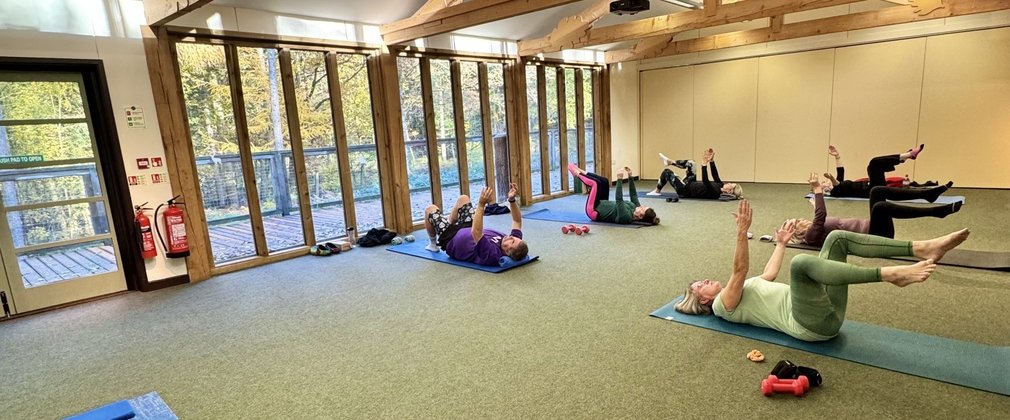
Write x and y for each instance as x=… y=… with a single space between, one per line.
x=678 y=22
x=160 y=12
x=432 y=6
x=459 y=16
x=568 y=30
x=851 y=22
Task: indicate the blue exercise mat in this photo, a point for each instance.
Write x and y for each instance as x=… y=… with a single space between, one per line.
x=145 y=407
x=416 y=249
x=576 y=217
x=661 y=196
x=943 y=199
x=964 y=363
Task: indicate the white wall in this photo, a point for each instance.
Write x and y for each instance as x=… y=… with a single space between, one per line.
x=872 y=92
x=87 y=30
x=624 y=134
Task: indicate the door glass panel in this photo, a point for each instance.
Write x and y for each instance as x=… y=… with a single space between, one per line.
x=415 y=138
x=359 y=125
x=45 y=267
x=533 y=110
x=499 y=128
x=209 y=111
x=470 y=79
x=49 y=184
x=445 y=131
x=35 y=100
x=50 y=141
x=57 y=223
x=319 y=143
x=554 y=142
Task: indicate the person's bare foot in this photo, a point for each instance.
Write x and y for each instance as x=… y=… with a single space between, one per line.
x=934 y=249
x=904 y=275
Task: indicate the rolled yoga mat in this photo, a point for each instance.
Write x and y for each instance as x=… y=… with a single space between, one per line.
x=661 y=196
x=417 y=249
x=963 y=363
x=576 y=217
x=943 y=199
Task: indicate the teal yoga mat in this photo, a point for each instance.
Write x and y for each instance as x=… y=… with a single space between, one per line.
x=576 y=217
x=963 y=363
x=416 y=249
x=943 y=199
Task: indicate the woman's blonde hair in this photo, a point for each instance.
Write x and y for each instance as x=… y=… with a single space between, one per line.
x=691 y=304
x=737 y=191
x=800 y=231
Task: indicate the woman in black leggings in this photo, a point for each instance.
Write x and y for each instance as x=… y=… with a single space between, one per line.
x=882 y=212
x=839 y=187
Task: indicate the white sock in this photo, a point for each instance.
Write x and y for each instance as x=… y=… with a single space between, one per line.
x=432 y=245
x=665 y=159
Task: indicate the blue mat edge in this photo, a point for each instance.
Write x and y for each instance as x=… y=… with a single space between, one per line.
x=585 y=219
x=402 y=249
x=836 y=347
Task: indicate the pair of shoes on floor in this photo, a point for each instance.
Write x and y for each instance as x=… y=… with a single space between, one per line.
x=399 y=240
x=326 y=249
x=376 y=237
x=785 y=369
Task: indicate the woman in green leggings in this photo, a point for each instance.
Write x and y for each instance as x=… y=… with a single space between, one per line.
x=812 y=306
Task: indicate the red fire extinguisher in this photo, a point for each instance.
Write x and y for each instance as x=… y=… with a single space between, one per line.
x=175 y=226
x=143 y=223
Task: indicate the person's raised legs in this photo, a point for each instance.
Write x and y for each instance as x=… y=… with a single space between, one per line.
x=912 y=153
x=460 y=202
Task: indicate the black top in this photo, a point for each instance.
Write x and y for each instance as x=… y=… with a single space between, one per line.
x=858 y=189
x=705 y=188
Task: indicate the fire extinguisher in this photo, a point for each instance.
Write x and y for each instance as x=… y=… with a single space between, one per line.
x=143 y=223
x=175 y=225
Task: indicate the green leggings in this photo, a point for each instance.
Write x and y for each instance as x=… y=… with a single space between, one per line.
x=819 y=287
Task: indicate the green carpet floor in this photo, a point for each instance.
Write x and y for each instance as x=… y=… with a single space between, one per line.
x=374 y=334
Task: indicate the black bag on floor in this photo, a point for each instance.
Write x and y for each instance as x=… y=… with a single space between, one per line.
x=376 y=237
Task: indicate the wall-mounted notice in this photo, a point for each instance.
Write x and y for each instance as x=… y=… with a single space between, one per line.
x=143 y=163
x=135 y=117
x=156 y=162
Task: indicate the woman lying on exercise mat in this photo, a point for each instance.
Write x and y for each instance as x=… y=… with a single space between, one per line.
x=690 y=187
x=600 y=209
x=838 y=186
x=882 y=212
x=812 y=306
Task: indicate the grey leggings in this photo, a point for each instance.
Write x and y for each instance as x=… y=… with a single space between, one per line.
x=819 y=288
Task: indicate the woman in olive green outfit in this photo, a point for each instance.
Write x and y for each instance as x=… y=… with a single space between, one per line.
x=812 y=307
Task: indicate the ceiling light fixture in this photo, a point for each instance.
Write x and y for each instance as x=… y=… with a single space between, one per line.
x=689 y=4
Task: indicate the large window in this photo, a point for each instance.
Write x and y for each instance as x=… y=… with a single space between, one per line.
x=474 y=126
x=499 y=127
x=270 y=121
x=415 y=135
x=557 y=104
x=445 y=130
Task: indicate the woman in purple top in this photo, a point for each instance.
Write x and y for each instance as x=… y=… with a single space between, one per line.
x=882 y=212
x=462 y=234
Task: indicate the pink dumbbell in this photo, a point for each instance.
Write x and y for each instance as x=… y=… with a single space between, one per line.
x=773 y=384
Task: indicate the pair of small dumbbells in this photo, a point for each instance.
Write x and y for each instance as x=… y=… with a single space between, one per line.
x=577 y=230
x=398 y=240
x=774 y=385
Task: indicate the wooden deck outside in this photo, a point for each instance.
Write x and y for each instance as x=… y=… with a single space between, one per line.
x=50 y=267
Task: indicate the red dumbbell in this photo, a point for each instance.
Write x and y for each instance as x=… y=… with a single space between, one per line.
x=581 y=230
x=566 y=229
x=773 y=384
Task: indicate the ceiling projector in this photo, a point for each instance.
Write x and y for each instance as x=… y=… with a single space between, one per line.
x=628 y=7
